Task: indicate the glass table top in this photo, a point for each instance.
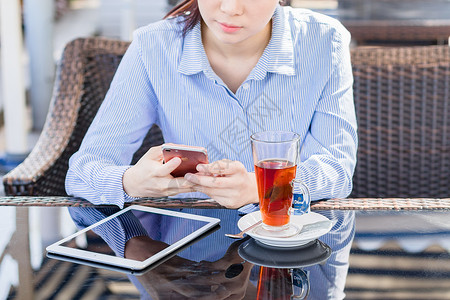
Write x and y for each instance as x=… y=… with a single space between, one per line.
x=368 y=254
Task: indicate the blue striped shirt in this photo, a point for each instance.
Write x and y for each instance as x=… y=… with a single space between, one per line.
x=302 y=83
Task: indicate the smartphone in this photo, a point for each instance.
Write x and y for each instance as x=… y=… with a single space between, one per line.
x=190 y=156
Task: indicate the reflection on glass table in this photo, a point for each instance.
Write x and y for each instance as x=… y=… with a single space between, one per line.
x=215 y=266
x=390 y=254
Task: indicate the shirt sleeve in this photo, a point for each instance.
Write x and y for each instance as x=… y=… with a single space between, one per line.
x=125 y=116
x=328 y=154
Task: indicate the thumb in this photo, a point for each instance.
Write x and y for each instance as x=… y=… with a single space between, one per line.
x=169 y=166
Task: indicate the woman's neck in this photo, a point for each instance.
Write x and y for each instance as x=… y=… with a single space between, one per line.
x=234 y=62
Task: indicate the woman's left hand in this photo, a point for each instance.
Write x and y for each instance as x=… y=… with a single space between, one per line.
x=227 y=182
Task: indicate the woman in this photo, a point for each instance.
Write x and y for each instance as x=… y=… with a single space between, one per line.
x=211 y=74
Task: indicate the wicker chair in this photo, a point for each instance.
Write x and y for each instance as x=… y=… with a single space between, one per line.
x=83 y=78
x=402 y=100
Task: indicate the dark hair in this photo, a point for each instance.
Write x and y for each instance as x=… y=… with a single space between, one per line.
x=189 y=10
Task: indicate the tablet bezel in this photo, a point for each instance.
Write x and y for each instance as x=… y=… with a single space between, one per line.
x=132 y=265
x=127 y=270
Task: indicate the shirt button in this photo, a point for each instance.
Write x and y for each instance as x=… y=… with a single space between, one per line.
x=245 y=86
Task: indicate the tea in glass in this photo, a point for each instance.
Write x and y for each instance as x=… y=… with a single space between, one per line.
x=275 y=156
x=274 y=187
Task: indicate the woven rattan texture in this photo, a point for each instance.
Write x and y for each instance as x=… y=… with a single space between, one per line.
x=332 y=204
x=402 y=98
x=84 y=75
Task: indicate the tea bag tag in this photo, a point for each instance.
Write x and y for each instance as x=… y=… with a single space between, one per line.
x=299 y=205
x=301 y=198
x=300 y=284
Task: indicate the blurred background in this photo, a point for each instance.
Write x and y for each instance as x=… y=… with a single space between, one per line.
x=34 y=33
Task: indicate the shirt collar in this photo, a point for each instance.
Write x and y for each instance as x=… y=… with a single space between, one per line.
x=278 y=57
x=193 y=57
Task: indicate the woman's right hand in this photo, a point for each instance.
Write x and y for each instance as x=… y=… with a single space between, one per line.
x=150 y=177
x=180 y=278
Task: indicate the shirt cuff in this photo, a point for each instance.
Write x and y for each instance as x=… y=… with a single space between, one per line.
x=249 y=208
x=112 y=191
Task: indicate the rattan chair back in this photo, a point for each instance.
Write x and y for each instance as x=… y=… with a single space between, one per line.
x=84 y=74
x=402 y=98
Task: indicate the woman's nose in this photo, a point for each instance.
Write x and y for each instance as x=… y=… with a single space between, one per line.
x=232 y=7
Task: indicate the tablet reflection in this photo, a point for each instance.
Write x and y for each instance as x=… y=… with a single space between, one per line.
x=218 y=271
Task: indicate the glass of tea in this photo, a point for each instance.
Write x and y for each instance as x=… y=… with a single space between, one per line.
x=275 y=156
x=276 y=283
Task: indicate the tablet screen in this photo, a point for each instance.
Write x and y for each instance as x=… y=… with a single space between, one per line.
x=104 y=232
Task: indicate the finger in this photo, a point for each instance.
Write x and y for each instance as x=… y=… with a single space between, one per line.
x=235 y=296
x=192 y=290
x=221 y=167
x=179 y=185
x=170 y=187
x=212 y=192
x=154 y=153
x=217 y=292
x=168 y=167
x=214 y=289
x=209 y=181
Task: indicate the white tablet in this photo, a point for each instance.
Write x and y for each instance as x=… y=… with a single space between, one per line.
x=88 y=245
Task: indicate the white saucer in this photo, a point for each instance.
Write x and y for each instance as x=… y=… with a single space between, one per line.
x=306 y=234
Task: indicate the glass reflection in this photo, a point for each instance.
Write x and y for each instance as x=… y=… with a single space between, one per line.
x=212 y=268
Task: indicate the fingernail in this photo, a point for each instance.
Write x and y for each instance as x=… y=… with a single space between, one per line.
x=175 y=160
x=188 y=176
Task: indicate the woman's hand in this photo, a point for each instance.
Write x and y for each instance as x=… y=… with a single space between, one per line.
x=149 y=177
x=227 y=182
x=180 y=278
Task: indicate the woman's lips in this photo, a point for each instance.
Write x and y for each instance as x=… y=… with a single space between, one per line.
x=229 y=28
